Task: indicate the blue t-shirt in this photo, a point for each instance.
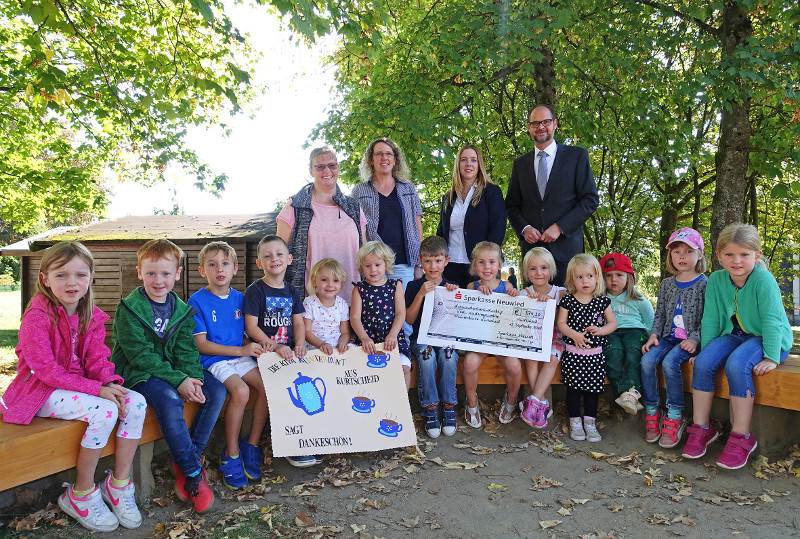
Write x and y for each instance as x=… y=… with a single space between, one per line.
x=220 y=318
x=411 y=293
x=390 y=225
x=274 y=307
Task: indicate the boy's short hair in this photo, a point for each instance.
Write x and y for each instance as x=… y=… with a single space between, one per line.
x=432 y=246
x=214 y=246
x=379 y=249
x=158 y=249
x=269 y=239
x=330 y=264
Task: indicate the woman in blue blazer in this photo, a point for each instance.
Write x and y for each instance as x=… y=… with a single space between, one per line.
x=471 y=212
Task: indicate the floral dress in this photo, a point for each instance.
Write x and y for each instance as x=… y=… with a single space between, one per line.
x=377 y=312
x=581 y=370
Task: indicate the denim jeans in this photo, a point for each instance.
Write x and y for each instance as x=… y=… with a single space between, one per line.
x=738 y=354
x=429 y=363
x=670 y=356
x=405 y=273
x=186 y=445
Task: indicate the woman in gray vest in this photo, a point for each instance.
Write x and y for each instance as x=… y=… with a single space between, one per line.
x=320 y=221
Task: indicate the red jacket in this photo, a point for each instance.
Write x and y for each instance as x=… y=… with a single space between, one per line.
x=44 y=354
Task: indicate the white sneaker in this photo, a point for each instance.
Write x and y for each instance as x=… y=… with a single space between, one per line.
x=89 y=511
x=589 y=424
x=576 y=431
x=122 y=502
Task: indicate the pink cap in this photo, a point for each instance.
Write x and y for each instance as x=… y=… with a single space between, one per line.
x=689 y=236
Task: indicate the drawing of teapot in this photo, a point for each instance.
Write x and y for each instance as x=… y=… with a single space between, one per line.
x=309 y=399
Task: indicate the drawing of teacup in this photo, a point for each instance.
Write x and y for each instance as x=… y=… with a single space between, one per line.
x=377 y=361
x=390 y=427
x=363 y=404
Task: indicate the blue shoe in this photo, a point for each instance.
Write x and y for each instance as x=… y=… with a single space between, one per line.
x=303 y=461
x=232 y=472
x=318 y=459
x=432 y=425
x=449 y=424
x=252 y=457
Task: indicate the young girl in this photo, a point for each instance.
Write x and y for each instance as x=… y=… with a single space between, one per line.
x=675 y=335
x=540 y=269
x=585 y=319
x=327 y=316
x=378 y=309
x=64 y=372
x=487 y=259
x=634 y=314
x=745 y=330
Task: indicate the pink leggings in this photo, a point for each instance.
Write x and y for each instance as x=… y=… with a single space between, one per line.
x=101 y=415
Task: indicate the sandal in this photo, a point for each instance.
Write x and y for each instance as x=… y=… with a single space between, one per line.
x=507 y=411
x=473 y=416
x=629 y=401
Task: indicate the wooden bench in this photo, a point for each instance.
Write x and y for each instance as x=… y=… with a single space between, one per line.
x=779 y=388
x=48 y=446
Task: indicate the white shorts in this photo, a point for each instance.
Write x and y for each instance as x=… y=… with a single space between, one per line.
x=404 y=360
x=222 y=370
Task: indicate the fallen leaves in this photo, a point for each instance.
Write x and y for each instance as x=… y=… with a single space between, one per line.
x=496 y=488
x=541 y=482
x=549 y=523
x=457 y=465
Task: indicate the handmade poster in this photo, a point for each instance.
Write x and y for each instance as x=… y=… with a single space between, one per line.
x=490 y=323
x=339 y=403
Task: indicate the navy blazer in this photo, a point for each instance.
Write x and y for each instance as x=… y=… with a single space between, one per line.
x=486 y=221
x=570 y=199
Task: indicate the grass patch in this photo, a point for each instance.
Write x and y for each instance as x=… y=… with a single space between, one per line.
x=9 y=336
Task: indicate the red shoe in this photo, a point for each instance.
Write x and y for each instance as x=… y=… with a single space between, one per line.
x=652 y=427
x=180 y=483
x=200 y=493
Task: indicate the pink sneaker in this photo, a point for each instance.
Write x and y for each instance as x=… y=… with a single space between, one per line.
x=671 y=432
x=737 y=451
x=652 y=427
x=698 y=441
x=529 y=411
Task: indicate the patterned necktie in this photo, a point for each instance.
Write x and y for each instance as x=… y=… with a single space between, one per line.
x=541 y=176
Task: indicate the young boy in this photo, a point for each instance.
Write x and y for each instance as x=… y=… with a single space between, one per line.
x=273 y=312
x=156 y=354
x=433 y=258
x=219 y=332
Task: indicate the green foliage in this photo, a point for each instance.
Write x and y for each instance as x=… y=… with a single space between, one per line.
x=95 y=86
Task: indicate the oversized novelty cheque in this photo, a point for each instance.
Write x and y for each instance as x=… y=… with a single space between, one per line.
x=490 y=323
x=338 y=403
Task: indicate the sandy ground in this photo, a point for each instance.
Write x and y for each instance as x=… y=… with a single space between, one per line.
x=502 y=481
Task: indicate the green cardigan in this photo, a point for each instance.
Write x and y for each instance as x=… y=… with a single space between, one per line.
x=138 y=351
x=757 y=305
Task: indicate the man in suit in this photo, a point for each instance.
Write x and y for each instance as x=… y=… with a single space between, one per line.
x=551 y=194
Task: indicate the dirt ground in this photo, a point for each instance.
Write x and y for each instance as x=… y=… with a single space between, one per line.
x=502 y=481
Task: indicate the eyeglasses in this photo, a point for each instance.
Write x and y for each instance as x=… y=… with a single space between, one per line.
x=546 y=123
x=332 y=166
x=384 y=154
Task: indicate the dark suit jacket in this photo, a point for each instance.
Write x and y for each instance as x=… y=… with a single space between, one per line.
x=486 y=221
x=569 y=200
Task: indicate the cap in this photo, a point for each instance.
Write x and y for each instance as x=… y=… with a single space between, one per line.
x=689 y=236
x=616 y=262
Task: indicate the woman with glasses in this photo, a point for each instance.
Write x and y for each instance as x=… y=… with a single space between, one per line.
x=322 y=222
x=391 y=205
x=472 y=211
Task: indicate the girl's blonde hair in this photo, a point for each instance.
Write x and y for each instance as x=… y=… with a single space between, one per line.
x=544 y=254
x=375 y=248
x=700 y=267
x=743 y=235
x=325 y=264
x=55 y=257
x=585 y=260
x=485 y=246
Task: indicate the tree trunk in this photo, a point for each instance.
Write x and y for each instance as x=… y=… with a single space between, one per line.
x=733 y=152
x=544 y=76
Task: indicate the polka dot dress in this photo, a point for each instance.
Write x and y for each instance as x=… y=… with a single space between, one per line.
x=585 y=372
x=377 y=312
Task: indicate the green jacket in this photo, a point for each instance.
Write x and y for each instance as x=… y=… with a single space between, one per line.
x=757 y=305
x=138 y=351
